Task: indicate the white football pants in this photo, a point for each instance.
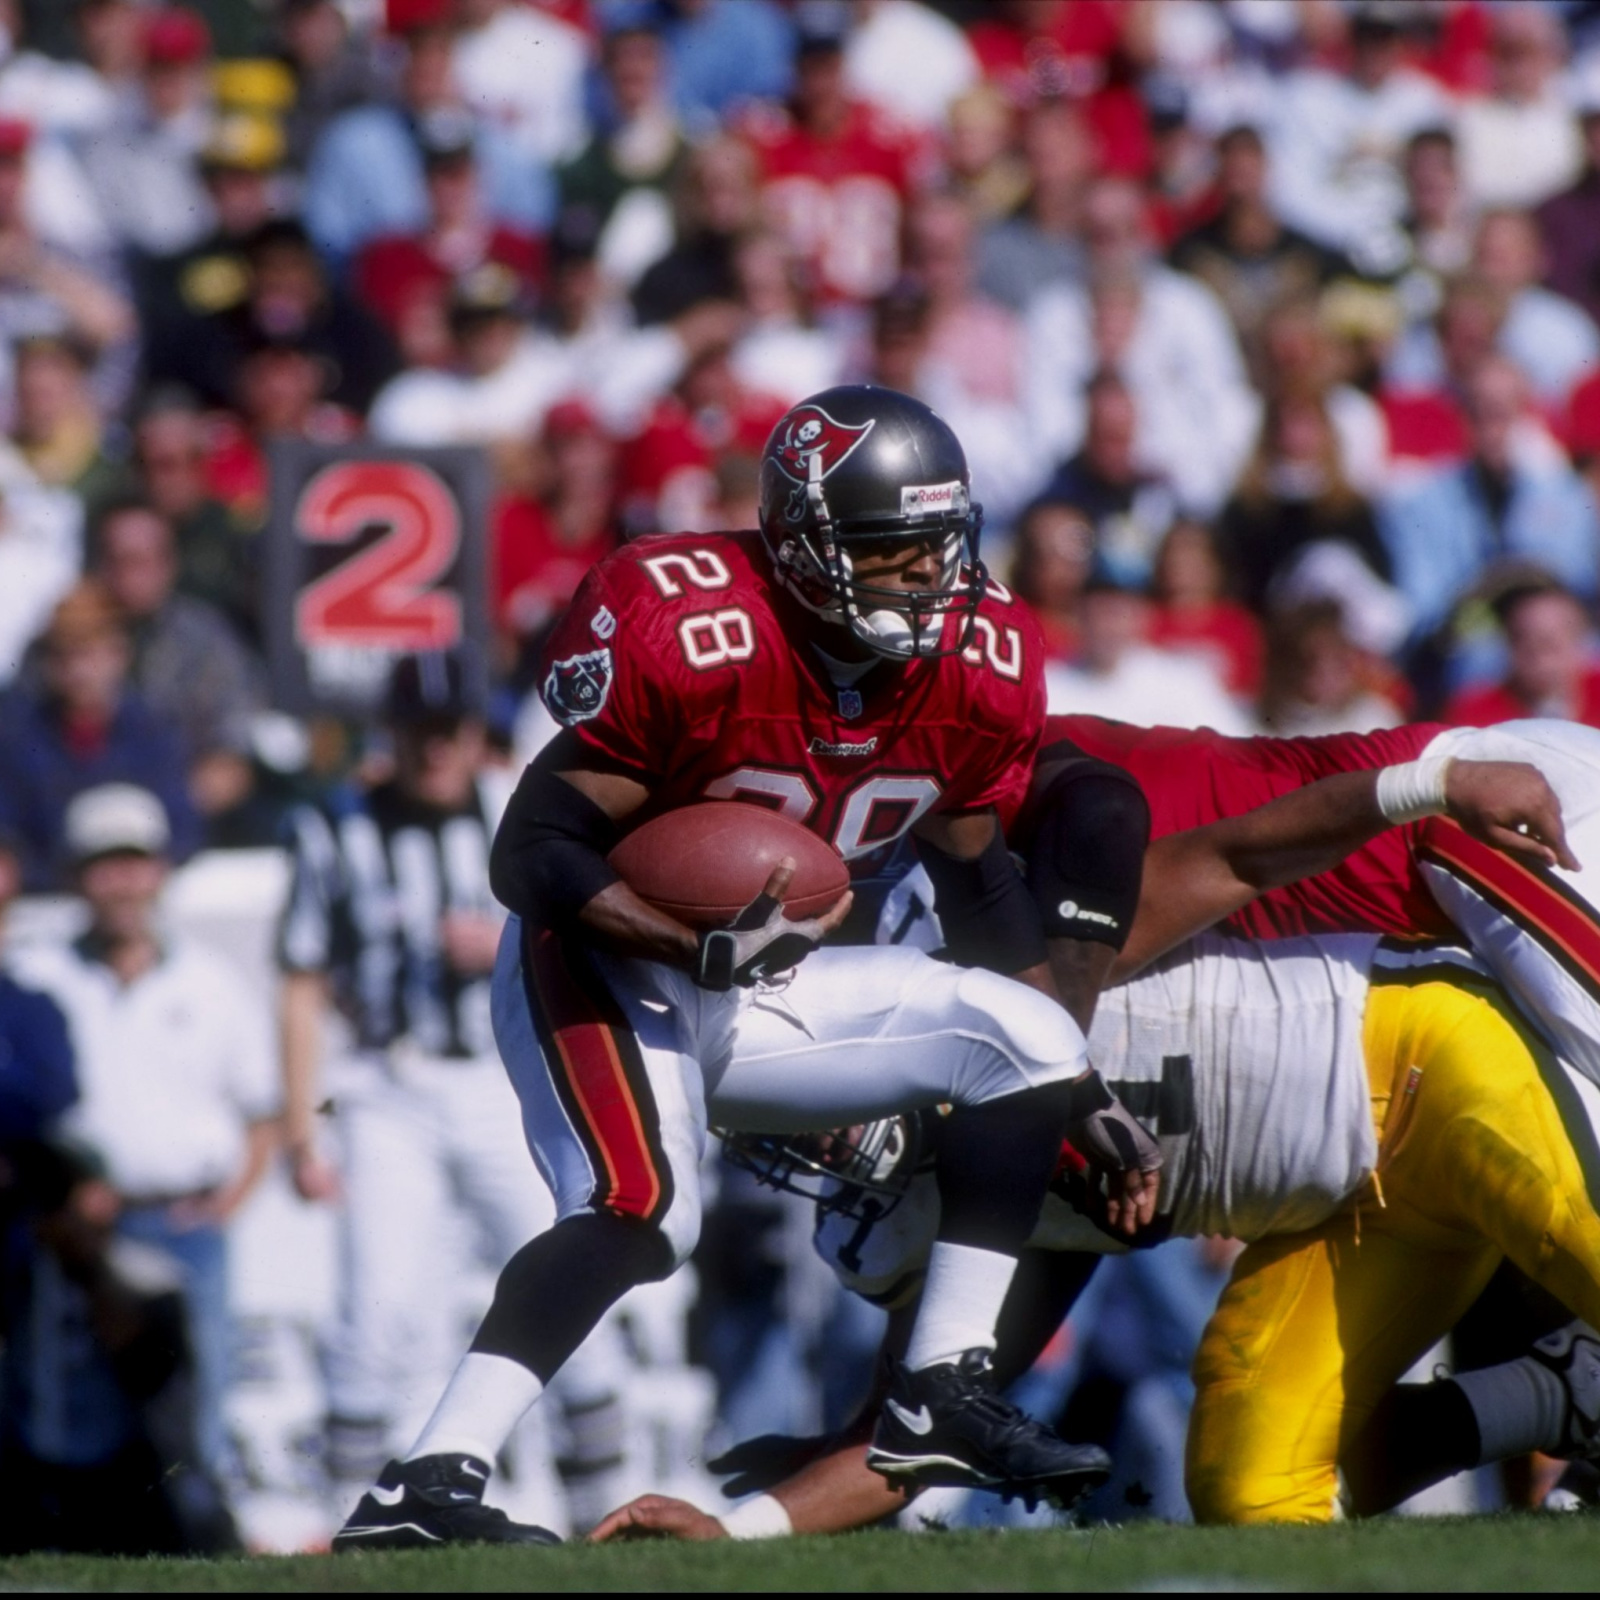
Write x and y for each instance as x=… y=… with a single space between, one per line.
x=620 y=1064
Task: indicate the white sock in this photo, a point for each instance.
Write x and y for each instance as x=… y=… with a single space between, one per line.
x=1519 y=1407
x=960 y=1303
x=484 y=1400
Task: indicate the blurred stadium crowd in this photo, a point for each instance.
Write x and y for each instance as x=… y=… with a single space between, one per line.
x=1271 y=328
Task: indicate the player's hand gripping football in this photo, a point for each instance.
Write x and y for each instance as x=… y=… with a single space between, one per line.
x=1509 y=805
x=764 y=941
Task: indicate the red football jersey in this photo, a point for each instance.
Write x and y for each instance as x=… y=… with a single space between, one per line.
x=674 y=663
x=838 y=201
x=1192 y=778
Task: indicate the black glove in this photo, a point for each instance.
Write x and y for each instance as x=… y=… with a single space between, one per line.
x=1105 y=1135
x=763 y=1463
x=761 y=942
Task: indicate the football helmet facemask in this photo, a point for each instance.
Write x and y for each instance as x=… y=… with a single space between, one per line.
x=858 y=467
x=841 y=1170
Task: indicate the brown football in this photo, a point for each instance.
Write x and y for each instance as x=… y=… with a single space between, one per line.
x=704 y=864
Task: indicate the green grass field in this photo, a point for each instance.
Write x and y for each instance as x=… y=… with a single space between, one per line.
x=1527 y=1552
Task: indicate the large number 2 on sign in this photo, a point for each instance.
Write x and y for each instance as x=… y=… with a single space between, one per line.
x=383 y=596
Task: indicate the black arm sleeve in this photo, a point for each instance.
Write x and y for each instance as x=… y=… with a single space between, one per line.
x=988 y=917
x=549 y=855
x=1086 y=856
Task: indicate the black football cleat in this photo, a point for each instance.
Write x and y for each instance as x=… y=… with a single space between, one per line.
x=433 y=1500
x=947 y=1425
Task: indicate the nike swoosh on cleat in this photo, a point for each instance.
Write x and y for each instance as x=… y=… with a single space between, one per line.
x=472 y=1466
x=387 y=1497
x=883 y=1461
x=919 y=1421
x=388 y=1528
x=458 y=1494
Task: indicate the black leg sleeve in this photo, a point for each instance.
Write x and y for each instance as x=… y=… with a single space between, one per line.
x=555 y=1289
x=995 y=1163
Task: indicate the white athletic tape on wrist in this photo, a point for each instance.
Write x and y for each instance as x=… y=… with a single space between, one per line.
x=1414 y=789
x=760 y=1518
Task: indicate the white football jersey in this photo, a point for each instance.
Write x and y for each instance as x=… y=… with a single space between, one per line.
x=1246 y=1062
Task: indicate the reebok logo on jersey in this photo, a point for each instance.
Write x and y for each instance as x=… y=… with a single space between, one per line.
x=828 y=747
x=575 y=689
x=919 y=1421
x=1071 y=911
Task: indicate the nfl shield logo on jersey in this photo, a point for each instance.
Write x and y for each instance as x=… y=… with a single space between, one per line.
x=575 y=689
x=850 y=706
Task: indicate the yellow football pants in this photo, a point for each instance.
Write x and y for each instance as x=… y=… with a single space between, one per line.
x=1484 y=1152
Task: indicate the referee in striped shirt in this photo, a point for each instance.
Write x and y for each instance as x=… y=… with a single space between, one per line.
x=390 y=922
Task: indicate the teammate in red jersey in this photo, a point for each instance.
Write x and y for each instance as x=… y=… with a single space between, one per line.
x=852 y=666
x=1193 y=777
x=1536 y=926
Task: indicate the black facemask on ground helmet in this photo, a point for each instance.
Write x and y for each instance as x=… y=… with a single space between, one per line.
x=859 y=465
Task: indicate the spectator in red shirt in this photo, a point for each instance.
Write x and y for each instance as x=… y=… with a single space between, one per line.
x=1194 y=614
x=669 y=469
x=281 y=392
x=1429 y=426
x=1552 y=671
x=406 y=278
x=1085 y=49
x=546 y=540
x=835 y=173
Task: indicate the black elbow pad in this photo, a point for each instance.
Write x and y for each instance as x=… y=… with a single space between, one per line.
x=1086 y=857
x=549 y=855
x=988 y=917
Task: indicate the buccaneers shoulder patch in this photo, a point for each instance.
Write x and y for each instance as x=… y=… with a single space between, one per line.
x=575 y=689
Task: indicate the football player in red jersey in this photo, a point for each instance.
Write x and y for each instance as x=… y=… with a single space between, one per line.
x=852 y=666
x=1534 y=924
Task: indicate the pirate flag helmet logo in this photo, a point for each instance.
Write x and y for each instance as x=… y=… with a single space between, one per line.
x=809 y=445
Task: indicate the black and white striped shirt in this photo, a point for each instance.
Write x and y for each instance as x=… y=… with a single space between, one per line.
x=374 y=872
